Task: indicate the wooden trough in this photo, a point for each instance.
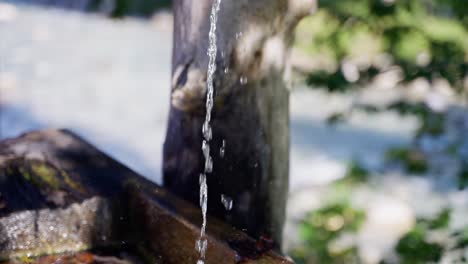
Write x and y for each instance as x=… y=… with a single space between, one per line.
x=64 y=201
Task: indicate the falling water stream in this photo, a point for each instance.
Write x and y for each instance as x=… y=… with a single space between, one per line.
x=202 y=243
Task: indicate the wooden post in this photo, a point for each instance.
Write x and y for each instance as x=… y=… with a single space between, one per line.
x=250 y=115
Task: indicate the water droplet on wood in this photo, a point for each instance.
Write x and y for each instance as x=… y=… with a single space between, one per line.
x=201 y=245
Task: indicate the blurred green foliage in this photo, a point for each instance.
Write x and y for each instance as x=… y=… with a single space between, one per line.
x=413 y=160
x=321 y=228
x=356 y=41
x=426 y=39
x=328 y=236
x=356 y=173
x=414 y=247
x=463 y=178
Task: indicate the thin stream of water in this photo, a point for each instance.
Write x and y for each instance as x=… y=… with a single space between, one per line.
x=202 y=243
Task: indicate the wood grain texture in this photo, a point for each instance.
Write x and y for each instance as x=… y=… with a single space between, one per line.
x=53 y=183
x=251 y=117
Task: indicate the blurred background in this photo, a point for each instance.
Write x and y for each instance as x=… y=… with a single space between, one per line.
x=379 y=120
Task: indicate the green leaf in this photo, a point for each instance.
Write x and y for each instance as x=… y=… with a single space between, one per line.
x=414 y=249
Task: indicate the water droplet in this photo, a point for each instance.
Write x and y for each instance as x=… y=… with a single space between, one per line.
x=200 y=261
x=226 y=70
x=203 y=193
x=243 y=80
x=222 y=149
x=226 y=201
x=201 y=245
x=202 y=178
x=209 y=165
x=206 y=129
x=205 y=148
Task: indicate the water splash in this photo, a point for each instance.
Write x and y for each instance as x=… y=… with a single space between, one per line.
x=202 y=243
x=222 y=150
x=227 y=202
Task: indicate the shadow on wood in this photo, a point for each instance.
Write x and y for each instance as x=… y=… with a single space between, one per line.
x=60 y=194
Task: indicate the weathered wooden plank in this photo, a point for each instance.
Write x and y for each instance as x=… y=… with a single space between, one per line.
x=54 y=179
x=175 y=224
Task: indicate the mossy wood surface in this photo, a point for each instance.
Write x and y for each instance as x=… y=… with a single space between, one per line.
x=60 y=194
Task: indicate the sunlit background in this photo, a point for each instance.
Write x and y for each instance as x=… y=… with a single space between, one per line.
x=379 y=124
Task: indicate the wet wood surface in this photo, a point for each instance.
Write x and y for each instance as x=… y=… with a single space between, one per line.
x=250 y=116
x=68 y=192
x=84 y=257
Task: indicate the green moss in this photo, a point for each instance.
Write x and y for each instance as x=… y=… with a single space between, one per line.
x=25 y=173
x=25 y=259
x=46 y=174
x=70 y=182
